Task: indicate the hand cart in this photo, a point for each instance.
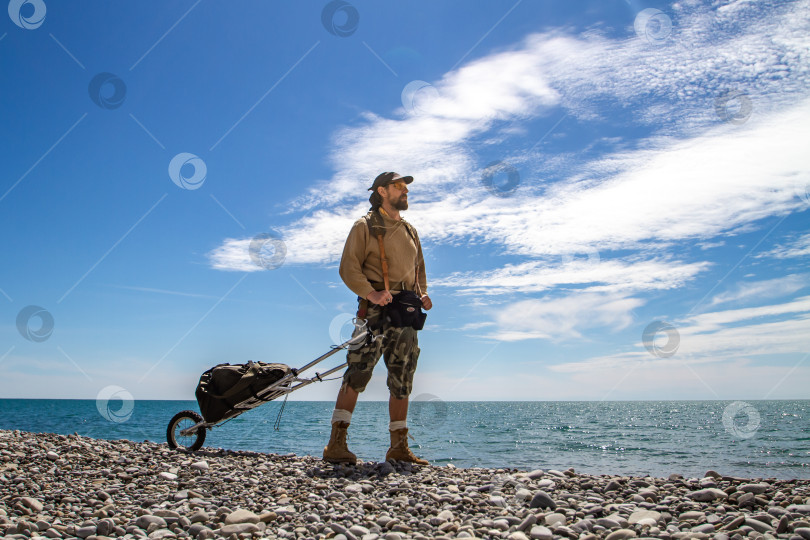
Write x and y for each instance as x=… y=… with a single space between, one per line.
x=187 y=429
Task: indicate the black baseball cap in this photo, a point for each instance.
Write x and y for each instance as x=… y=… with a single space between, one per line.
x=383 y=179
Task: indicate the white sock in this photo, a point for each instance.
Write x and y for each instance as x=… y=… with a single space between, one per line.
x=399 y=424
x=341 y=415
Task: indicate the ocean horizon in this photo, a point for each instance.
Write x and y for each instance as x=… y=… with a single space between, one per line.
x=751 y=439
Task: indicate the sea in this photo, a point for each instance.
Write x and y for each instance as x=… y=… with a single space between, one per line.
x=750 y=439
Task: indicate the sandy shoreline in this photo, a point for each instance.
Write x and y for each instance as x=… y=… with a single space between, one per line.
x=60 y=486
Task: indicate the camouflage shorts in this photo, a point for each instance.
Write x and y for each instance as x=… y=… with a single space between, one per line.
x=398 y=346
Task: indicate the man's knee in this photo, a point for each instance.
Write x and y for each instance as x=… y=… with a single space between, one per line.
x=361 y=365
x=346 y=389
x=357 y=380
x=400 y=377
x=400 y=391
x=401 y=362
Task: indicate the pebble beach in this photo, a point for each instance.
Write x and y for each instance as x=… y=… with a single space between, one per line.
x=70 y=486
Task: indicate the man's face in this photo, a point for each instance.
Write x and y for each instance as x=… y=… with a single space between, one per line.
x=397 y=195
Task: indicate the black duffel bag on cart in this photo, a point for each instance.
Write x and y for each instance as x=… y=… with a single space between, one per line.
x=223 y=388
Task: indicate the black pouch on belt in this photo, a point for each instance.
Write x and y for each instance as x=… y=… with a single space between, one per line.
x=406 y=310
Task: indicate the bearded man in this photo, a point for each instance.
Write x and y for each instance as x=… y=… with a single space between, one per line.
x=382 y=258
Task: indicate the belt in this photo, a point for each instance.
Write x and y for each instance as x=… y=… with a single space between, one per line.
x=395 y=286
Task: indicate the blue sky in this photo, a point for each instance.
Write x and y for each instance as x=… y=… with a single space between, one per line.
x=659 y=180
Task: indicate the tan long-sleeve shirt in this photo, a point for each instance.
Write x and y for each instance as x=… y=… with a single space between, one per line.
x=361 y=264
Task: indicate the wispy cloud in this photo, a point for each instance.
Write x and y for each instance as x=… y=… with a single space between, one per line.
x=563 y=318
x=595 y=275
x=722 y=177
x=713 y=321
x=620 y=208
x=721 y=336
x=164 y=291
x=233 y=255
x=800 y=247
x=764 y=289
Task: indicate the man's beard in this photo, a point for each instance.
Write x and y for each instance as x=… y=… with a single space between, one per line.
x=401 y=203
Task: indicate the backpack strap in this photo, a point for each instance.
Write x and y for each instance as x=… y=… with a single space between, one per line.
x=384 y=261
x=412 y=231
x=376 y=227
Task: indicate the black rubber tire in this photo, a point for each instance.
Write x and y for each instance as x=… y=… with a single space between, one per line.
x=184 y=420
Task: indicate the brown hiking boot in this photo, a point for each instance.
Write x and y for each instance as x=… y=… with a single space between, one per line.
x=399 y=450
x=336 y=451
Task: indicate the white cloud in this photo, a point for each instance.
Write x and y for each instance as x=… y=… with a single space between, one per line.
x=708 y=322
x=660 y=197
x=234 y=255
x=714 y=183
x=709 y=245
x=777 y=329
x=694 y=178
x=604 y=276
x=798 y=248
x=563 y=318
x=769 y=288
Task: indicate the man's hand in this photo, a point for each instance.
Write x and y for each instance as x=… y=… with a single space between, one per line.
x=426 y=303
x=380 y=298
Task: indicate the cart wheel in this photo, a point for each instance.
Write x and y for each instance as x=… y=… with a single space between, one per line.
x=184 y=420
